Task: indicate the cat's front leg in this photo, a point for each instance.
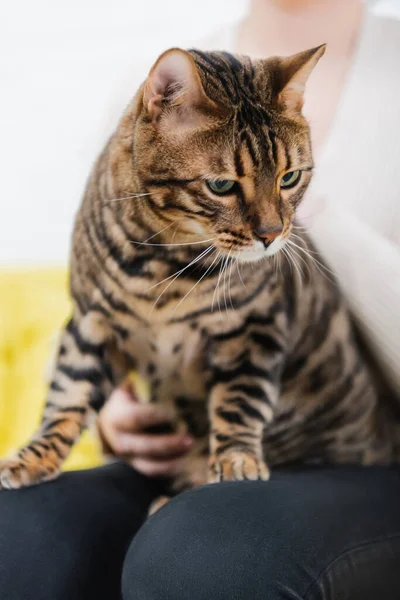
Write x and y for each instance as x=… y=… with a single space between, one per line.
x=81 y=382
x=244 y=391
x=238 y=414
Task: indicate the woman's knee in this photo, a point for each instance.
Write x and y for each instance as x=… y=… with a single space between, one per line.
x=258 y=540
x=212 y=542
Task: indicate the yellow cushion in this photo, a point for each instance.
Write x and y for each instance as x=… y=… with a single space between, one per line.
x=34 y=304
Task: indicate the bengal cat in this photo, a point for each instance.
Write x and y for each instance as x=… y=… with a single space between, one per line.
x=179 y=270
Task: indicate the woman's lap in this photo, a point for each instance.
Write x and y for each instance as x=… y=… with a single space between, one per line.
x=309 y=534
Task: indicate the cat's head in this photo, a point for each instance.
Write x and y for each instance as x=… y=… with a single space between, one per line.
x=222 y=146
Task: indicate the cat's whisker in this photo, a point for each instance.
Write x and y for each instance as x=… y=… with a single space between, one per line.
x=284 y=250
x=169 y=245
x=217 y=286
x=277 y=258
x=240 y=275
x=229 y=282
x=175 y=232
x=302 y=260
x=197 y=282
x=199 y=257
x=296 y=266
x=298 y=237
x=222 y=290
x=292 y=261
x=176 y=275
x=318 y=265
x=224 y=282
x=126 y=197
x=276 y=264
x=158 y=232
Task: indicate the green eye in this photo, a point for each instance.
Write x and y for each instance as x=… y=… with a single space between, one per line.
x=221 y=186
x=290 y=179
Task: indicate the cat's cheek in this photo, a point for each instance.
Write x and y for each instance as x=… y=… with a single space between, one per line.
x=195 y=227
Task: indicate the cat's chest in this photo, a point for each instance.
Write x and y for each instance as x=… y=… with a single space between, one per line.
x=171 y=359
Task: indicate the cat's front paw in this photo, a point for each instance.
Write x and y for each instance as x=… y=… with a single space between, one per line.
x=236 y=466
x=17 y=473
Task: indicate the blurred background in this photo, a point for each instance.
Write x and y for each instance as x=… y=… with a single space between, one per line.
x=67 y=70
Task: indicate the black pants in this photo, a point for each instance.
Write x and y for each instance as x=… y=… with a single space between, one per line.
x=308 y=534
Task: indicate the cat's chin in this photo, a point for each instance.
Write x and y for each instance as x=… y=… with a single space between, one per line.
x=259 y=252
x=247 y=256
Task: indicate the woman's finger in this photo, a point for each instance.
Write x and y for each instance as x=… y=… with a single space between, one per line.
x=124 y=414
x=143 y=445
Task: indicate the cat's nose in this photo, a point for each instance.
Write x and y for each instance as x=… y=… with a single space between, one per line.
x=267 y=236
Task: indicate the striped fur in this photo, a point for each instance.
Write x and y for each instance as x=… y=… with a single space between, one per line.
x=255 y=355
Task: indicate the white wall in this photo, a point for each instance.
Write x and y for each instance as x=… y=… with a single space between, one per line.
x=66 y=70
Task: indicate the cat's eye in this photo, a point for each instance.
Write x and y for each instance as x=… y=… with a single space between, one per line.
x=221 y=186
x=290 y=179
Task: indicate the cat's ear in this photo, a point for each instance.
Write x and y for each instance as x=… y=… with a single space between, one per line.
x=293 y=73
x=174 y=83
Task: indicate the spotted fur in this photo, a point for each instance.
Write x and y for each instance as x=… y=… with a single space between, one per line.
x=255 y=355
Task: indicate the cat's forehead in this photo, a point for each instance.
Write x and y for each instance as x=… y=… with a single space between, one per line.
x=246 y=89
x=230 y=79
x=241 y=147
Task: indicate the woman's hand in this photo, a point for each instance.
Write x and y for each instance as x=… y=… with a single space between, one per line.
x=122 y=424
